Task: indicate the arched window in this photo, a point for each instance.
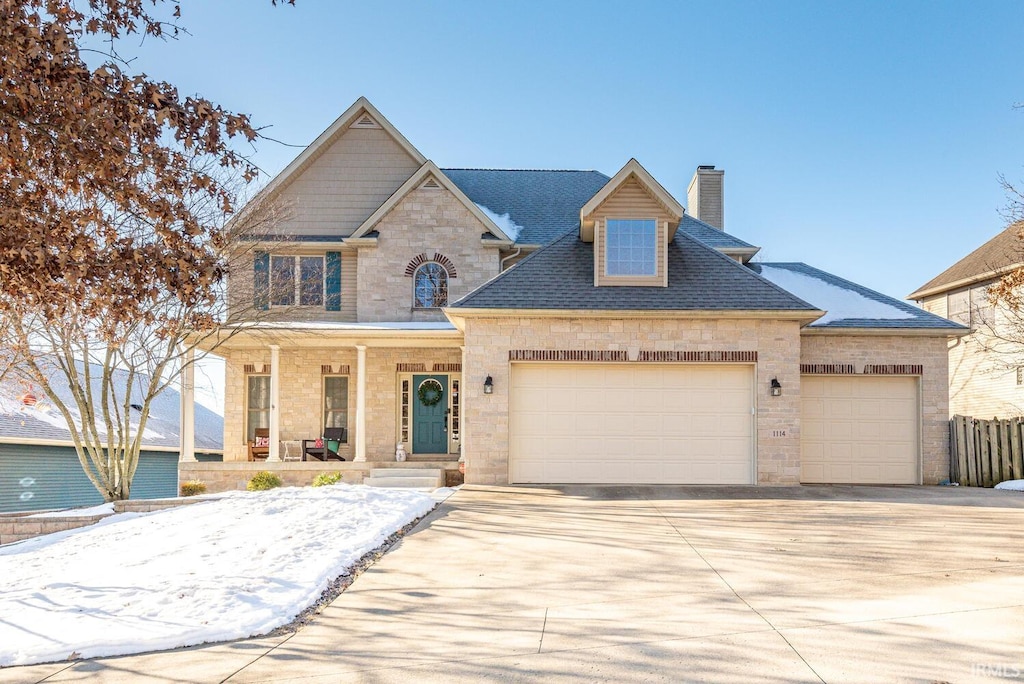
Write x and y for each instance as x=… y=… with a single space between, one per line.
x=430 y=286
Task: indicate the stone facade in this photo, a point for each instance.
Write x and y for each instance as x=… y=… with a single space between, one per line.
x=929 y=352
x=488 y=341
x=426 y=221
x=301 y=411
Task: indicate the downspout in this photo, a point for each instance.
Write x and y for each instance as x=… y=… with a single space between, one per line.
x=513 y=255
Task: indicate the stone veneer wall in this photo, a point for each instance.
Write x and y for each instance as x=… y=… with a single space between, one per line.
x=302 y=394
x=233 y=476
x=488 y=341
x=424 y=222
x=929 y=352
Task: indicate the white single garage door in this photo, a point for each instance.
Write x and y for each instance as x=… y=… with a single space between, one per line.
x=859 y=429
x=632 y=424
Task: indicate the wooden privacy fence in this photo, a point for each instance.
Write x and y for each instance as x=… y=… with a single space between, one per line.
x=983 y=453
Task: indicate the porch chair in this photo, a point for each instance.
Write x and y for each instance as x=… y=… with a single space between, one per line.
x=259 y=448
x=329 y=445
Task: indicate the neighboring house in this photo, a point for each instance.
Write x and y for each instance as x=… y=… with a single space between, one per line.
x=986 y=368
x=564 y=327
x=39 y=468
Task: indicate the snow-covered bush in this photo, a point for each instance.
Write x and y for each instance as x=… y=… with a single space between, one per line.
x=263 y=480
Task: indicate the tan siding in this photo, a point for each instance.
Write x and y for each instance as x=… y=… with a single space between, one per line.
x=935 y=304
x=240 y=292
x=339 y=189
x=630 y=201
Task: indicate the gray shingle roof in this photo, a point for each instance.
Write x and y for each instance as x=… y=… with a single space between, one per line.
x=1002 y=251
x=912 y=316
x=45 y=422
x=545 y=203
x=710 y=235
x=561 y=276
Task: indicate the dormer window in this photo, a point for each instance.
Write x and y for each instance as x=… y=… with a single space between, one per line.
x=430 y=286
x=632 y=247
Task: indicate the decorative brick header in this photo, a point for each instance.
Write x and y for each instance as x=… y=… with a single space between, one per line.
x=253 y=368
x=447 y=367
x=566 y=355
x=328 y=369
x=412 y=368
x=438 y=258
x=828 y=368
x=894 y=369
x=700 y=356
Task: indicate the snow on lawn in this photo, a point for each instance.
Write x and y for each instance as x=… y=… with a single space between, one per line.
x=102 y=509
x=1013 y=485
x=224 y=569
x=839 y=303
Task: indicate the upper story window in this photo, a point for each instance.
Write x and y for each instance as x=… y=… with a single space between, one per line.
x=430 y=286
x=296 y=280
x=631 y=247
x=970 y=307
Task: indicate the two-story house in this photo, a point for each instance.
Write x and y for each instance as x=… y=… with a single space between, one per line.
x=986 y=368
x=564 y=327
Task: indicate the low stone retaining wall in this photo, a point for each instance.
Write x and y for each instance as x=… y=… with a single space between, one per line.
x=17 y=526
x=234 y=475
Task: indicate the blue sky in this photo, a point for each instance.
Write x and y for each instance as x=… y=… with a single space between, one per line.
x=864 y=139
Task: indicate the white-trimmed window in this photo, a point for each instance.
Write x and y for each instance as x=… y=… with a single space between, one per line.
x=336 y=402
x=958 y=307
x=296 y=280
x=430 y=286
x=631 y=247
x=257 y=391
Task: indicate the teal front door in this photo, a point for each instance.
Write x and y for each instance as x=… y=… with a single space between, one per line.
x=430 y=414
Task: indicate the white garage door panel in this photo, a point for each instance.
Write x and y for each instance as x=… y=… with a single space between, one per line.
x=859 y=430
x=598 y=424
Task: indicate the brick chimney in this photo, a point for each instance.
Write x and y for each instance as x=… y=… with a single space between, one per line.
x=705 y=198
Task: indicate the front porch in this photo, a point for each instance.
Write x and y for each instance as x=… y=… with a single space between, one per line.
x=383 y=384
x=233 y=475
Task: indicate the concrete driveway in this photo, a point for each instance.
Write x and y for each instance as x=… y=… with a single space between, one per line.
x=810 y=584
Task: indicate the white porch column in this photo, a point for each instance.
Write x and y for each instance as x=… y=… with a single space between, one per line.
x=187 y=452
x=462 y=409
x=360 y=403
x=275 y=403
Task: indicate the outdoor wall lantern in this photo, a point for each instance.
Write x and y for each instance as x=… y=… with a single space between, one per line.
x=488 y=385
x=776 y=388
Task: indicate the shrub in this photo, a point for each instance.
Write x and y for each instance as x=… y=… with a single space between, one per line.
x=324 y=479
x=193 y=487
x=263 y=480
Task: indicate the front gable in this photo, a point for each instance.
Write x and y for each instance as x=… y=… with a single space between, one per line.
x=342 y=177
x=631 y=222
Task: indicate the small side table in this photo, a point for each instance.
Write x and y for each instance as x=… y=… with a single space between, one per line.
x=291 y=449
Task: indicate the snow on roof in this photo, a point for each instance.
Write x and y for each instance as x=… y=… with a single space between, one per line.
x=840 y=303
x=503 y=221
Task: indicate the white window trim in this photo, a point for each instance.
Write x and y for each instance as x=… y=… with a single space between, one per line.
x=447 y=284
x=323 y=404
x=607 y=251
x=249 y=409
x=298 y=281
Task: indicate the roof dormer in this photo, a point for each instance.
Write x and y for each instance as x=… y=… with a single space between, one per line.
x=631 y=221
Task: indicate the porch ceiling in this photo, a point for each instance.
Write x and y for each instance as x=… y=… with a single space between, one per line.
x=315 y=335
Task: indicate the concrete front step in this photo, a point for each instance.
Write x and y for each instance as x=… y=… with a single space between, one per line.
x=403 y=482
x=406 y=478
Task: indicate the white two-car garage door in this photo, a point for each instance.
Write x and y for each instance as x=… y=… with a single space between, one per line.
x=859 y=429
x=632 y=424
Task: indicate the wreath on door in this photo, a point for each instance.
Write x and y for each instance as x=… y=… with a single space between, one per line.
x=430 y=392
